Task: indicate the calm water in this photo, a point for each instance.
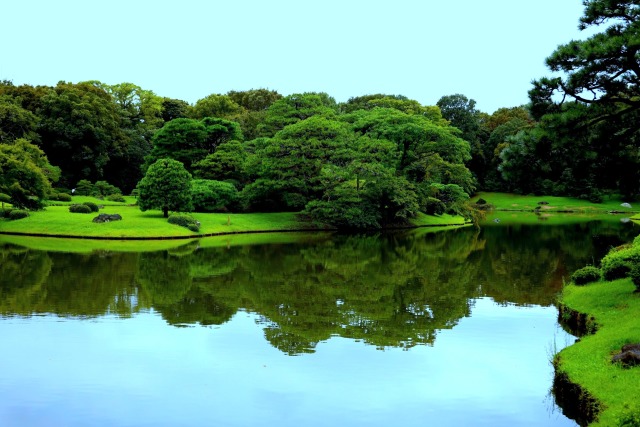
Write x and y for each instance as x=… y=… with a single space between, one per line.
x=454 y=328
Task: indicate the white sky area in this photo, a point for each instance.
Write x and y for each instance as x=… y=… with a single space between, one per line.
x=487 y=50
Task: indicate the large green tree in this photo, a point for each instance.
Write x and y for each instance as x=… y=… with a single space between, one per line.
x=190 y=140
x=165 y=186
x=25 y=174
x=589 y=109
x=80 y=130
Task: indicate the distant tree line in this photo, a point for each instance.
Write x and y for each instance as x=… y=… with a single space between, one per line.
x=372 y=161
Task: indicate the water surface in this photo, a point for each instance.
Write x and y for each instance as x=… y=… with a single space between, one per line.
x=446 y=329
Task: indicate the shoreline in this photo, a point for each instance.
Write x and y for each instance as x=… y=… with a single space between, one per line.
x=587 y=385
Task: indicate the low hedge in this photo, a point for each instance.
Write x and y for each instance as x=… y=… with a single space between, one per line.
x=186 y=221
x=17 y=214
x=586 y=275
x=94 y=207
x=83 y=208
x=115 y=198
x=617 y=263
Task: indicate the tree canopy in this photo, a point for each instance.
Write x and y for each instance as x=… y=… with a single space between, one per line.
x=166 y=186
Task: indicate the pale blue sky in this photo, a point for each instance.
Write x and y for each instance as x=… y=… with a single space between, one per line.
x=487 y=50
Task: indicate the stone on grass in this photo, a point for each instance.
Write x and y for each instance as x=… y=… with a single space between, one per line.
x=107 y=217
x=629 y=356
x=625 y=205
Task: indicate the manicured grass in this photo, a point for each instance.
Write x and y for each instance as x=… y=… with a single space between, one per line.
x=616 y=309
x=57 y=220
x=516 y=202
x=499 y=218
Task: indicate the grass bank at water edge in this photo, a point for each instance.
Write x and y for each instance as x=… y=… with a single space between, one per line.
x=615 y=309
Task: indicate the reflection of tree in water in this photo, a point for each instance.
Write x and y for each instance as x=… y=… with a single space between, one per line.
x=67 y=284
x=22 y=273
x=394 y=289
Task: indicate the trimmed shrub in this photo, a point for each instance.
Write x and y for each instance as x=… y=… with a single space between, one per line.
x=586 y=275
x=18 y=214
x=103 y=189
x=94 y=207
x=617 y=263
x=481 y=201
x=79 y=209
x=115 y=198
x=84 y=188
x=186 y=221
x=213 y=196
x=61 y=197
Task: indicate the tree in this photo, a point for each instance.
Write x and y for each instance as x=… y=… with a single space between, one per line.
x=190 y=141
x=226 y=163
x=15 y=121
x=397 y=102
x=174 y=109
x=213 y=196
x=165 y=186
x=291 y=162
x=294 y=108
x=25 y=174
x=80 y=130
x=215 y=105
x=591 y=110
x=603 y=69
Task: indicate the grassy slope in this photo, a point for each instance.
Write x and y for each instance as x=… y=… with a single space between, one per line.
x=516 y=202
x=617 y=312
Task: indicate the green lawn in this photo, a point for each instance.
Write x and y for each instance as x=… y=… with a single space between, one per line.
x=616 y=309
x=57 y=220
x=516 y=202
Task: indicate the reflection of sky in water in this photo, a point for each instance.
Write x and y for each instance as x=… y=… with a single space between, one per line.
x=492 y=369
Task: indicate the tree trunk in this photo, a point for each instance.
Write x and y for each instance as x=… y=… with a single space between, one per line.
x=165 y=212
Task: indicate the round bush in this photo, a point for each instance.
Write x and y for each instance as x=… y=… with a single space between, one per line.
x=61 y=197
x=184 y=220
x=586 y=275
x=18 y=214
x=615 y=268
x=116 y=198
x=79 y=209
x=92 y=206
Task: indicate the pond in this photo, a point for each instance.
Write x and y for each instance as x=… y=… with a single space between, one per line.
x=447 y=328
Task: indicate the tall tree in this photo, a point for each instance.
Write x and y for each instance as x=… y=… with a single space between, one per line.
x=80 y=129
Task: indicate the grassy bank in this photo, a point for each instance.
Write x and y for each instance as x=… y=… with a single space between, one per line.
x=56 y=220
x=616 y=309
x=516 y=202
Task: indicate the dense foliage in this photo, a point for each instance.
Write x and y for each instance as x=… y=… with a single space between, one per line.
x=373 y=161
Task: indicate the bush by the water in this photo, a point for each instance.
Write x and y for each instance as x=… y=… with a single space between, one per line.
x=586 y=275
x=79 y=209
x=94 y=207
x=618 y=262
x=184 y=220
x=18 y=214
